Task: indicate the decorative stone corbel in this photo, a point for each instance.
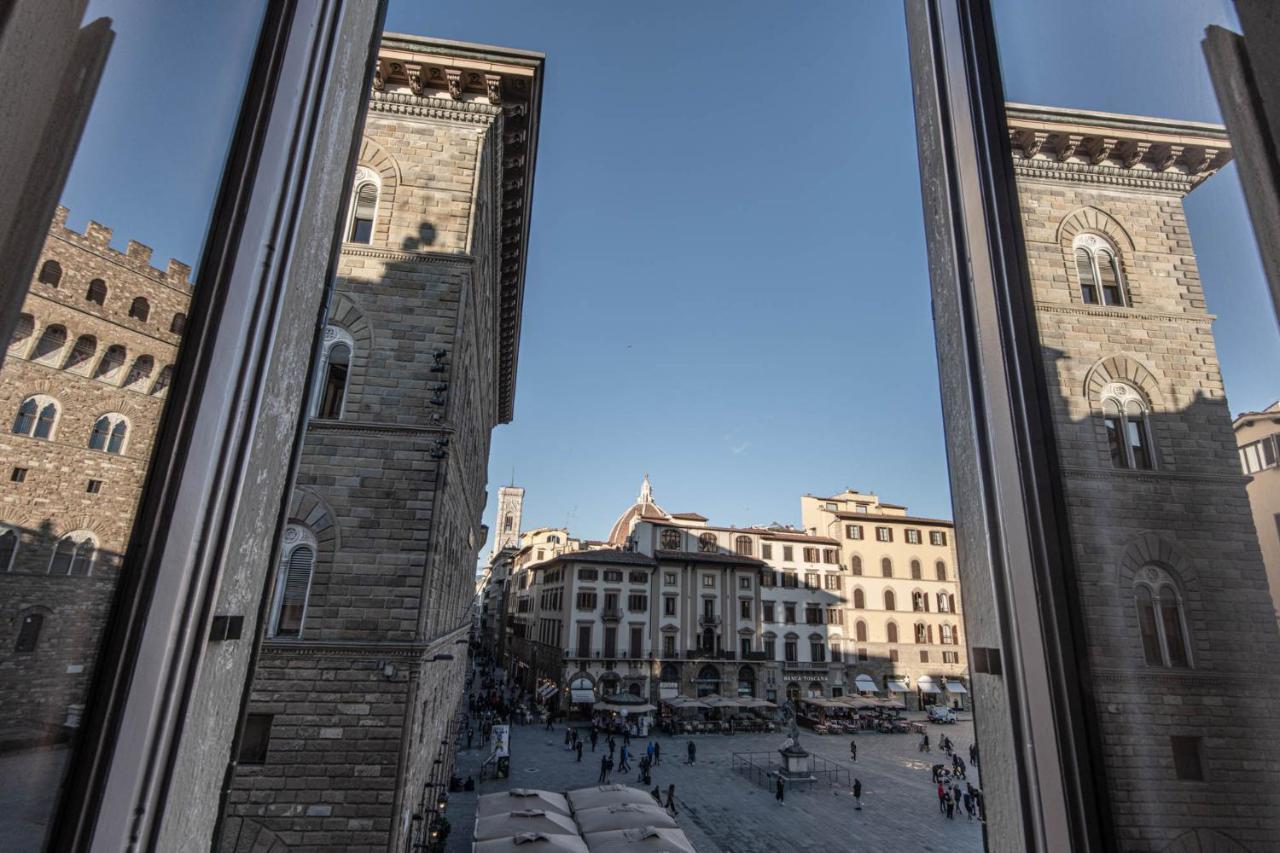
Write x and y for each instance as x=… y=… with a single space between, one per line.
x=1199 y=160
x=417 y=84
x=1169 y=154
x=1134 y=155
x=1031 y=141
x=454 y=78
x=379 y=84
x=1067 y=145
x=1100 y=148
x=493 y=88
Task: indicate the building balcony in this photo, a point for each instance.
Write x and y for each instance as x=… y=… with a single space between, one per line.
x=755 y=656
x=708 y=621
x=612 y=614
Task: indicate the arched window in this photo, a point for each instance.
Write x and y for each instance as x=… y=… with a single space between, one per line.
x=742 y=546
x=1098 y=271
x=919 y=601
x=22 y=332
x=671 y=539
x=1160 y=619
x=944 y=603
x=922 y=633
x=8 y=549
x=947 y=636
x=163 y=380
x=335 y=367
x=859 y=599
x=140 y=309
x=915 y=570
x=860 y=631
x=746 y=681
x=97 y=292
x=856 y=565
x=364 y=208
x=50 y=273
x=50 y=345
x=29 y=633
x=74 y=554
x=110 y=363
x=293 y=584
x=109 y=433
x=890 y=601
x=891 y=632
x=886 y=567
x=707 y=542
x=940 y=569
x=178 y=324
x=82 y=353
x=140 y=373
x=1125 y=416
x=37 y=417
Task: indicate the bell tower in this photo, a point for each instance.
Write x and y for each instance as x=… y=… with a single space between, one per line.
x=506 y=527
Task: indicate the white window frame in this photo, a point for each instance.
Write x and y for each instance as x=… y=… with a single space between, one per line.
x=333 y=336
x=364 y=175
x=1122 y=394
x=113 y=419
x=41 y=400
x=1093 y=244
x=17 y=545
x=79 y=537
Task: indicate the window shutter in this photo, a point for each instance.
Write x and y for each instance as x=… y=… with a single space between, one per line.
x=366 y=201
x=1084 y=269
x=297 y=579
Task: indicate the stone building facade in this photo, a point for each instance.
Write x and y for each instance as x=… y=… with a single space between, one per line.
x=1179 y=624
x=1258 y=437
x=349 y=731
x=673 y=605
x=82 y=390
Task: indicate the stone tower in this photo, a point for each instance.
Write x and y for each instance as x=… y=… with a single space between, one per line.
x=347 y=743
x=1182 y=644
x=506 y=527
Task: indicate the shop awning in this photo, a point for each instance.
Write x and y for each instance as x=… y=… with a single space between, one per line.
x=865 y=684
x=898 y=686
x=587 y=696
x=956 y=687
x=928 y=687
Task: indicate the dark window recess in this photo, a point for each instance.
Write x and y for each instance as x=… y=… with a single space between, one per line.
x=29 y=633
x=94 y=487
x=19 y=475
x=1186 y=758
x=986 y=660
x=256 y=739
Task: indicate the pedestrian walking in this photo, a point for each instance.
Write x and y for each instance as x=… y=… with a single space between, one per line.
x=656 y=793
x=595 y=736
x=608 y=767
x=942 y=798
x=968 y=805
x=471 y=732
x=853 y=750
x=657 y=753
x=693 y=752
x=951 y=807
x=578 y=749
x=671 y=799
x=613 y=744
x=648 y=751
x=857 y=794
x=604 y=768
x=924 y=742
x=568 y=738
x=973 y=754
x=955 y=792
x=780 y=790
x=626 y=737
x=623 y=764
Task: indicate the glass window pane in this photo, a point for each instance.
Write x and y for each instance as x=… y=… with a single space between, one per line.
x=115 y=264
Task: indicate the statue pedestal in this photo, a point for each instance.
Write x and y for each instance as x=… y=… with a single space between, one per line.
x=795 y=764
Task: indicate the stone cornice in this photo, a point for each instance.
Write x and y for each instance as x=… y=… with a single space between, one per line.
x=1128 y=314
x=322 y=425
x=409 y=104
x=1081 y=472
x=1135 y=152
x=358 y=250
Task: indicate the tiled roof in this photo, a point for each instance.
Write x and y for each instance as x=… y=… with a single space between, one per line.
x=610 y=555
x=708 y=557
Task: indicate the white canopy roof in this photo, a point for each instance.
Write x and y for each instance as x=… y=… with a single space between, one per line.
x=898 y=686
x=643 y=839
x=607 y=795
x=515 y=823
x=956 y=687
x=520 y=799
x=623 y=816
x=927 y=685
x=866 y=684
x=532 y=842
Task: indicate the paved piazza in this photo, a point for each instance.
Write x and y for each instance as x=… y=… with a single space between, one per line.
x=722 y=812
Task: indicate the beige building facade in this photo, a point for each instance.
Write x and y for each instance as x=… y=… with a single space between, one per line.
x=1258 y=438
x=673 y=605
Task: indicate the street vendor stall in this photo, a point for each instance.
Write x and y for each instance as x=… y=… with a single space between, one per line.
x=618 y=712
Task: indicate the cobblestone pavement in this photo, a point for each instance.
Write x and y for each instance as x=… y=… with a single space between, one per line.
x=722 y=812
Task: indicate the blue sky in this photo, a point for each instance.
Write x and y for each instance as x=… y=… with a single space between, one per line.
x=727 y=284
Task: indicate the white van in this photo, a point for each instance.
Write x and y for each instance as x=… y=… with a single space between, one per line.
x=941 y=714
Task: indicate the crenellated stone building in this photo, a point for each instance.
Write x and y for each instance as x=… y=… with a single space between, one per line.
x=82 y=390
x=349 y=731
x=1181 y=635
